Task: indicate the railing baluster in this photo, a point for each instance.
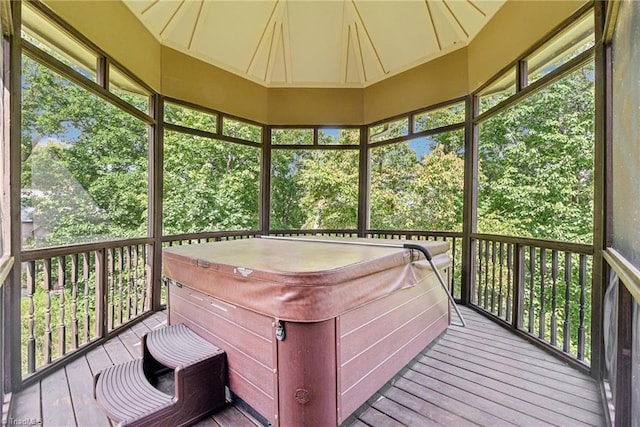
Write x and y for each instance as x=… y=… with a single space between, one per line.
x=509 y=280
x=120 y=293
x=86 y=274
x=148 y=285
x=486 y=274
x=500 y=281
x=582 y=278
x=554 y=297
x=127 y=254
x=111 y=285
x=135 y=280
x=493 y=276
x=566 y=330
x=532 y=268
x=454 y=291
x=47 y=311
x=62 y=329
x=31 y=340
x=542 y=313
x=479 y=267
x=74 y=301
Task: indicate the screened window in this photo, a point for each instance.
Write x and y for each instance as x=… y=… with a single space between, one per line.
x=84 y=168
x=191 y=118
x=126 y=89
x=626 y=137
x=241 y=130
x=338 y=136
x=418 y=184
x=57 y=42
x=498 y=91
x=291 y=136
x=439 y=117
x=536 y=163
x=314 y=189
x=209 y=185
x=389 y=130
x=576 y=39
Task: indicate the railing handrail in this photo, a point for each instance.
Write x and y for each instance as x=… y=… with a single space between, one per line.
x=417 y=232
x=578 y=248
x=629 y=275
x=54 y=251
x=208 y=235
x=315 y=231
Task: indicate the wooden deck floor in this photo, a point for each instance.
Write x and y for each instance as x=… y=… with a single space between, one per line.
x=479 y=375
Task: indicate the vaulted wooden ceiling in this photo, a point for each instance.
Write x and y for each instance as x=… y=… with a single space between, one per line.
x=315 y=43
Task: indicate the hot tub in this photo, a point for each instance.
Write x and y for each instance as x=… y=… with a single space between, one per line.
x=312 y=328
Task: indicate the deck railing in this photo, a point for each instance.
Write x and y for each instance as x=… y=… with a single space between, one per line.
x=77 y=295
x=539 y=287
x=623 y=314
x=72 y=296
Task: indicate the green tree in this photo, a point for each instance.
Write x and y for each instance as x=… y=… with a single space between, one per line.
x=84 y=169
x=536 y=164
x=414 y=193
x=286 y=191
x=329 y=179
x=209 y=185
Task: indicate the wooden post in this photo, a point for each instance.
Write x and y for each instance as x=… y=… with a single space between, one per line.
x=602 y=188
x=518 y=286
x=469 y=214
x=12 y=135
x=156 y=162
x=364 y=184
x=624 y=384
x=265 y=182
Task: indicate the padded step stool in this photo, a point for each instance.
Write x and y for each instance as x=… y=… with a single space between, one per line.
x=128 y=397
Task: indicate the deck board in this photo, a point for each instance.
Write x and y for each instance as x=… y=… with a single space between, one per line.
x=80 y=379
x=26 y=405
x=528 y=364
x=480 y=375
x=57 y=406
x=447 y=403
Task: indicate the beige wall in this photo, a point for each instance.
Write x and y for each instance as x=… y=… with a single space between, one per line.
x=315 y=106
x=516 y=26
x=189 y=79
x=440 y=80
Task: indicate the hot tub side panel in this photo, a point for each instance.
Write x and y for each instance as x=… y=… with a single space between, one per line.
x=375 y=341
x=307 y=374
x=246 y=336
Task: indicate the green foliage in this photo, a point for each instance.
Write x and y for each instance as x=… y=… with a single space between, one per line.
x=84 y=169
x=330 y=183
x=209 y=185
x=314 y=189
x=536 y=164
x=187 y=117
x=432 y=119
x=418 y=194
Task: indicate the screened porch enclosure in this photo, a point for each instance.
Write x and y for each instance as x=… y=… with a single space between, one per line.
x=514 y=170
